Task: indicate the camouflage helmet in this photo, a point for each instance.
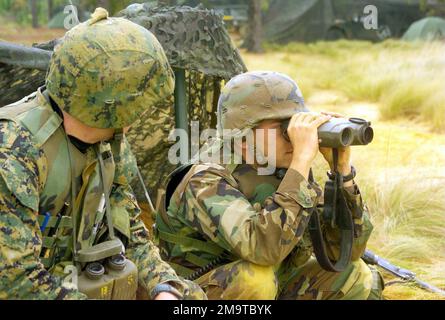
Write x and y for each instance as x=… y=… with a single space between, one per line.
x=252 y=97
x=107 y=71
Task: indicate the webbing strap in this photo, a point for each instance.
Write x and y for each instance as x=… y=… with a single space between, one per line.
x=77 y=200
x=107 y=195
x=196 y=260
x=320 y=250
x=65 y=221
x=47 y=262
x=231 y=167
x=208 y=247
x=62 y=242
x=337 y=214
x=48 y=128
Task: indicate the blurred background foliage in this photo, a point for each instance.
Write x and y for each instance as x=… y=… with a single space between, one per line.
x=22 y=10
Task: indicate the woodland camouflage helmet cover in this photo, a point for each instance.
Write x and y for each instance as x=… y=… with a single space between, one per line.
x=107 y=71
x=252 y=97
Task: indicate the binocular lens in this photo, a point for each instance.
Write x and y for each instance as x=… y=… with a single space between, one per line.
x=94 y=270
x=368 y=135
x=117 y=262
x=346 y=137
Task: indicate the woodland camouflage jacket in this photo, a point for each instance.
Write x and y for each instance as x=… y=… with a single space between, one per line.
x=258 y=218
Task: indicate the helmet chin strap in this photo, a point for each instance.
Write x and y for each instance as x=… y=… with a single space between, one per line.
x=119 y=136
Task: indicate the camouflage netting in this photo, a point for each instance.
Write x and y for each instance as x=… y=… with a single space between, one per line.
x=194 y=39
x=149 y=137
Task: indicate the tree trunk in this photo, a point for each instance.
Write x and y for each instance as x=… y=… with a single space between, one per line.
x=50 y=9
x=34 y=13
x=254 y=40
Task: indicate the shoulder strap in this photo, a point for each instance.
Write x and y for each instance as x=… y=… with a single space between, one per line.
x=178 y=179
x=33 y=103
x=177 y=182
x=48 y=128
x=174 y=180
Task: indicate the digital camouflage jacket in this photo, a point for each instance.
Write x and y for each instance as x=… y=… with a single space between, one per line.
x=35 y=179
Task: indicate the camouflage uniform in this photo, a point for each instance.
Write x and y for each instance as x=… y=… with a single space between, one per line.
x=42 y=169
x=259 y=222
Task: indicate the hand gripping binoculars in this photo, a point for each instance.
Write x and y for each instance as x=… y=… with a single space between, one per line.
x=340 y=132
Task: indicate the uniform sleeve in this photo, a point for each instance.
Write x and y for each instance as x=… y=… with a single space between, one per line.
x=140 y=249
x=22 y=275
x=265 y=236
x=362 y=225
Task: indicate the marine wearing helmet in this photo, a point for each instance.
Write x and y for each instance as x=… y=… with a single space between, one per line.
x=66 y=169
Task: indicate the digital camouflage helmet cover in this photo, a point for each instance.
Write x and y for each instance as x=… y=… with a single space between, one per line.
x=252 y=97
x=107 y=71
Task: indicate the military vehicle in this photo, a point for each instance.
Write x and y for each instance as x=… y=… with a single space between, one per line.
x=313 y=20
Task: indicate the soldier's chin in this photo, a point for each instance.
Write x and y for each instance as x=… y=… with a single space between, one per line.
x=283 y=165
x=284 y=162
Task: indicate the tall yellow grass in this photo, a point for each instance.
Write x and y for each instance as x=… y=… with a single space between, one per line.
x=407 y=79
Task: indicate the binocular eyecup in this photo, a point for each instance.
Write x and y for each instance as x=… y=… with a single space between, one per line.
x=95 y=270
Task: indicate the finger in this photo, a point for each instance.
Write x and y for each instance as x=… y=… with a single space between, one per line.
x=302 y=117
x=299 y=118
x=293 y=119
x=321 y=116
x=308 y=117
x=333 y=114
x=342 y=150
x=319 y=121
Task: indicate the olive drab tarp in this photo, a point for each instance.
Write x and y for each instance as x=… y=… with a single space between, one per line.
x=312 y=20
x=428 y=29
x=194 y=39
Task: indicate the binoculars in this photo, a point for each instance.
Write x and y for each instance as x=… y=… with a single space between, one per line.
x=340 y=132
x=114 y=278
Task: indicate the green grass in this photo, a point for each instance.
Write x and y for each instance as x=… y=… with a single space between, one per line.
x=406 y=79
